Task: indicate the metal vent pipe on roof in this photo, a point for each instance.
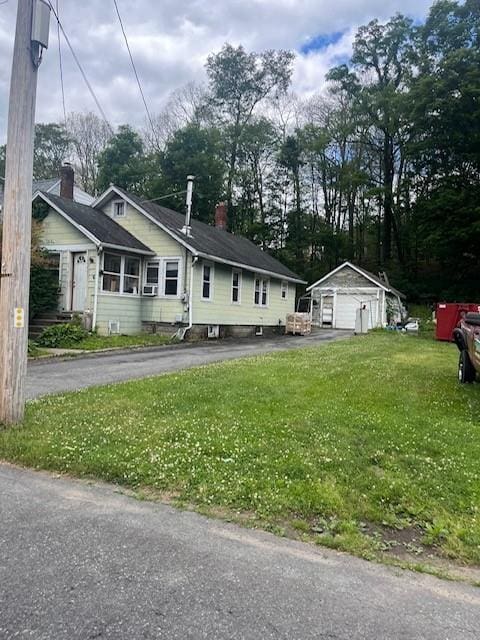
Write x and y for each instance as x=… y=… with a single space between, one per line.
x=188 y=216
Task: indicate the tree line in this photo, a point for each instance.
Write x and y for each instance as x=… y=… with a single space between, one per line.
x=381 y=167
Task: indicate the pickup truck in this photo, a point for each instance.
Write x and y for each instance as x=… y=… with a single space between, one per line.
x=467 y=339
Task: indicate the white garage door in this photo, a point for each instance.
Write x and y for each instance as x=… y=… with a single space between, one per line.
x=346 y=310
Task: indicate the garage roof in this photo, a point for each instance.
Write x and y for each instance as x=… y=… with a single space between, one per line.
x=366 y=274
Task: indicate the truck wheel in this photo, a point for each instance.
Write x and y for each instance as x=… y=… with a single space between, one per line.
x=466 y=371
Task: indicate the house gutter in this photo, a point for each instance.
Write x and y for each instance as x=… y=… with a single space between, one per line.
x=250 y=268
x=182 y=332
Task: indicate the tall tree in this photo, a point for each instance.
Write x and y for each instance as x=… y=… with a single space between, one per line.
x=197 y=151
x=445 y=110
x=291 y=157
x=122 y=162
x=382 y=67
x=89 y=136
x=52 y=148
x=239 y=82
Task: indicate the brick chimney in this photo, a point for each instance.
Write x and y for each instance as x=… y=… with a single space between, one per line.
x=67 y=177
x=221 y=216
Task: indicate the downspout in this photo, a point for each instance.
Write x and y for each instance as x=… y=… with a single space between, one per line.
x=182 y=332
x=95 y=296
x=190 y=295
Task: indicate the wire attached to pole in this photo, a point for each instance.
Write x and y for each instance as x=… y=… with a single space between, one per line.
x=84 y=75
x=136 y=74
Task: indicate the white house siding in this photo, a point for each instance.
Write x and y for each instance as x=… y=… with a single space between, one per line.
x=221 y=310
x=159 y=308
x=125 y=309
x=59 y=236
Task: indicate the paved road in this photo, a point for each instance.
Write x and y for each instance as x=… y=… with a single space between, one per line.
x=82 y=561
x=54 y=376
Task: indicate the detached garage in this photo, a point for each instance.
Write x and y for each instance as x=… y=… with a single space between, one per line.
x=337 y=296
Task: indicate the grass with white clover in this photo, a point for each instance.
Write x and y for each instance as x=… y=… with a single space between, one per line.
x=368 y=445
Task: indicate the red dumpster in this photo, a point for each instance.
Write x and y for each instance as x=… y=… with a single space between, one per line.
x=449 y=315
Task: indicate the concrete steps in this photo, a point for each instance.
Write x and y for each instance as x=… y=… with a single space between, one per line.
x=44 y=320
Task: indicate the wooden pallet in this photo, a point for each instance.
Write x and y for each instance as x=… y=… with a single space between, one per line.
x=299 y=324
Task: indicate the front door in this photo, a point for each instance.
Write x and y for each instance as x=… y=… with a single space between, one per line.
x=79 y=281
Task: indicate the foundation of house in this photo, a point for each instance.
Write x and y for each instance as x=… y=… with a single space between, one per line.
x=204 y=331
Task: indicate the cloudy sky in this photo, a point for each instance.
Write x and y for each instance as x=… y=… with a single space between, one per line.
x=171 y=39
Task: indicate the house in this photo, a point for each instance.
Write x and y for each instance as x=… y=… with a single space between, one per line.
x=129 y=265
x=337 y=296
x=52 y=185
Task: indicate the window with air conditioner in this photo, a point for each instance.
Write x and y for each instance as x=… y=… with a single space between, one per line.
x=162 y=275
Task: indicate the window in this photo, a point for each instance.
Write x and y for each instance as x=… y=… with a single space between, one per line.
x=112 y=269
x=264 y=293
x=207 y=280
x=261 y=292
x=152 y=272
x=171 y=278
x=284 y=290
x=164 y=273
x=131 y=275
x=236 y=286
x=118 y=208
x=121 y=274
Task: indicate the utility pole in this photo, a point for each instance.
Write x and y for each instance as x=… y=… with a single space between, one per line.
x=31 y=37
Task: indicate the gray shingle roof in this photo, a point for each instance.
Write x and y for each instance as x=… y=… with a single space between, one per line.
x=381 y=282
x=52 y=185
x=101 y=226
x=214 y=242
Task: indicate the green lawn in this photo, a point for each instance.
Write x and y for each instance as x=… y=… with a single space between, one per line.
x=95 y=342
x=368 y=445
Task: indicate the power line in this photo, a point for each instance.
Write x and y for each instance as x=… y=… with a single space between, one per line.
x=77 y=61
x=168 y=195
x=135 y=72
x=61 y=67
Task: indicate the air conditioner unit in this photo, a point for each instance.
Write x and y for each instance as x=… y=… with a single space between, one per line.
x=150 y=289
x=113 y=327
x=213 y=331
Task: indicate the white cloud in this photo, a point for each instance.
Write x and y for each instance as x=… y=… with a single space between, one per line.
x=171 y=40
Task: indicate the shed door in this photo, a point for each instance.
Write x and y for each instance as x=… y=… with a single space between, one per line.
x=79 y=281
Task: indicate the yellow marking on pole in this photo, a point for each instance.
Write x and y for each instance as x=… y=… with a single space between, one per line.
x=19 y=318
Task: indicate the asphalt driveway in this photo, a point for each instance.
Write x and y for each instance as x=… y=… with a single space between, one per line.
x=69 y=374
x=80 y=560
